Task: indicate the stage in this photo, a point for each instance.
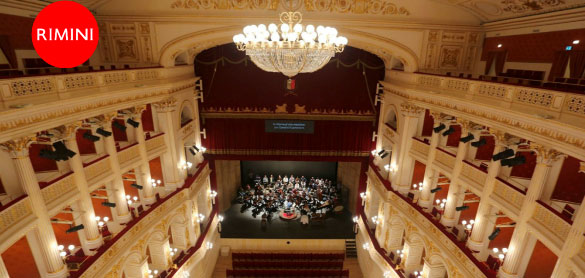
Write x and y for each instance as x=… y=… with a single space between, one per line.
x=243 y=225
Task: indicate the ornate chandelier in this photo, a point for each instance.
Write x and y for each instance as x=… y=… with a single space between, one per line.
x=286 y=48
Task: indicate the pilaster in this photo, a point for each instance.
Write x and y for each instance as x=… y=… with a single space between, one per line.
x=411 y=115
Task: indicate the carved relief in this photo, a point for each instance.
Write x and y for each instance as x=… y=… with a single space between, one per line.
x=126 y=49
x=450 y=56
x=127 y=42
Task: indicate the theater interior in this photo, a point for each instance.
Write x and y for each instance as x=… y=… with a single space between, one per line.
x=289 y=138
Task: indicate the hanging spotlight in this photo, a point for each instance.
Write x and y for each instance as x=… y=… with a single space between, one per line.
x=119 y=126
x=519 y=160
x=138 y=186
x=503 y=154
x=436 y=189
x=461 y=208
x=133 y=123
x=75 y=228
x=449 y=131
x=479 y=143
x=103 y=132
x=384 y=155
x=192 y=151
x=439 y=128
x=467 y=138
x=381 y=152
x=109 y=204
x=494 y=234
x=196 y=148
x=87 y=135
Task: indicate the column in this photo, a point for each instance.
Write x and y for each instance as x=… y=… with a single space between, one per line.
x=413 y=256
x=433 y=270
x=90 y=235
x=431 y=176
x=485 y=218
x=116 y=187
x=456 y=193
x=142 y=172
x=520 y=244
x=411 y=115
x=573 y=244
x=170 y=160
x=395 y=237
x=160 y=254
x=3 y=270
x=18 y=149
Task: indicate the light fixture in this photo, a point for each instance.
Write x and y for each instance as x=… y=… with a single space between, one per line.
x=71 y=247
x=363 y=195
x=186 y=165
x=135 y=198
x=97 y=218
x=576 y=41
x=209 y=245
x=500 y=45
x=366 y=246
x=106 y=219
x=286 y=48
x=60 y=247
x=387 y=274
x=63 y=254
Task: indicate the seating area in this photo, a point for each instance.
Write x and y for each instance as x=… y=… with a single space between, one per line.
x=287 y=265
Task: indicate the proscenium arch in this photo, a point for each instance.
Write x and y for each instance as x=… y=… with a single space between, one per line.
x=193 y=43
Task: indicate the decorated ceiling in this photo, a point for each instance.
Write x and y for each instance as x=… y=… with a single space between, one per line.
x=440 y=11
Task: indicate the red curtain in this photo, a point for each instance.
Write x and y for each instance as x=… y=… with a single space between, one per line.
x=119 y=135
x=559 y=65
x=500 y=61
x=41 y=164
x=85 y=146
x=247 y=137
x=428 y=124
x=489 y=60
x=577 y=63
x=453 y=139
x=486 y=151
x=527 y=169
x=570 y=186
x=147 y=120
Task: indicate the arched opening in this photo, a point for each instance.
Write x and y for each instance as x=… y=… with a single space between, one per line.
x=186 y=115
x=391 y=119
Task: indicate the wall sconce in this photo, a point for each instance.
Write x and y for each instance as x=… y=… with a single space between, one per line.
x=152 y=273
x=418 y=274
x=155 y=183
x=186 y=165
x=500 y=254
x=209 y=245
x=173 y=252
x=213 y=194
x=363 y=195
x=468 y=225
x=366 y=246
x=441 y=203
x=418 y=186
x=355 y=224
x=390 y=168
x=376 y=220
x=387 y=274
x=200 y=218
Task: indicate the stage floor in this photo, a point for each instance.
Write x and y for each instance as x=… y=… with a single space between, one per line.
x=243 y=225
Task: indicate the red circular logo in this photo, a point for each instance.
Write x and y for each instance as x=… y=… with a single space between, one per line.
x=65 y=34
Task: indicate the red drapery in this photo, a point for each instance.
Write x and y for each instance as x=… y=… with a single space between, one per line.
x=119 y=135
x=486 y=151
x=527 y=169
x=577 y=63
x=147 y=122
x=85 y=146
x=428 y=124
x=559 y=65
x=570 y=186
x=247 y=137
x=453 y=139
x=41 y=164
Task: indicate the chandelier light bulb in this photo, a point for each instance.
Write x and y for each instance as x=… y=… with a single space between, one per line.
x=320 y=29
x=298 y=28
x=463 y=222
x=274 y=37
x=468 y=226
x=505 y=250
x=60 y=247
x=501 y=256
x=262 y=27
x=284 y=28
x=127 y=197
x=496 y=250
x=322 y=39
x=71 y=247
x=272 y=28
x=135 y=198
x=310 y=28
x=97 y=218
x=63 y=254
x=101 y=223
x=106 y=219
x=471 y=221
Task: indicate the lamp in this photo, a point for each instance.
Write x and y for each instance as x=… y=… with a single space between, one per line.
x=449 y=131
x=363 y=195
x=133 y=123
x=503 y=154
x=213 y=194
x=436 y=189
x=510 y=162
x=119 y=126
x=467 y=138
x=479 y=143
x=75 y=228
x=439 y=128
x=87 y=135
x=494 y=234
x=219 y=221
x=103 y=132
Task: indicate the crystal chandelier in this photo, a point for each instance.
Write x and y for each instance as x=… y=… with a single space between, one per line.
x=286 y=48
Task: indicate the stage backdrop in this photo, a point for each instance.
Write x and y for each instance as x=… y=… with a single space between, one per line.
x=308 y=169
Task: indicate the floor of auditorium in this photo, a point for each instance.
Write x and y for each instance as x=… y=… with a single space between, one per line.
x=224 y=263
x=243 y=225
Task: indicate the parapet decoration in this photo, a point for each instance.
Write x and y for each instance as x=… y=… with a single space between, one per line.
x=351 y=6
